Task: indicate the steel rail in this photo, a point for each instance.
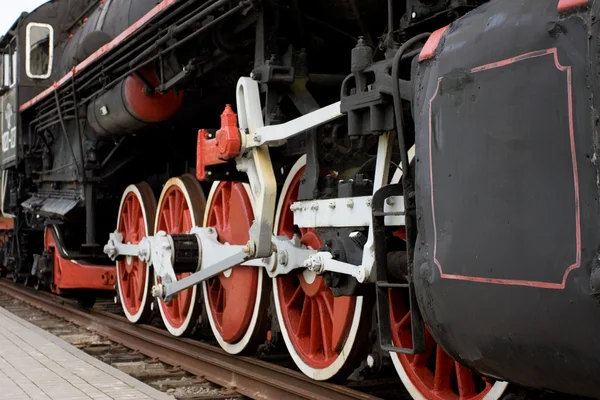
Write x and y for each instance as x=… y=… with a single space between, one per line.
x=250 y=377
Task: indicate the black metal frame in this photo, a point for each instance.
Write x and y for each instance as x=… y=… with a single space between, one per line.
x=383 y=285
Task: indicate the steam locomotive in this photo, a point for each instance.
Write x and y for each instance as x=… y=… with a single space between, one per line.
x=412 y=181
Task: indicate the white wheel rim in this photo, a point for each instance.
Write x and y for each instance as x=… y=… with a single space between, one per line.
x=328 y=372
x=239 y=346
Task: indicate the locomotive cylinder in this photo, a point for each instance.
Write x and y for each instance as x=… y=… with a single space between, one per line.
x=132 y=105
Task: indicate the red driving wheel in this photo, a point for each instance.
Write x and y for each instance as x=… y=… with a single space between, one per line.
x=235 y=298
x=136 y=220
x=321 y=331
x=180 y=208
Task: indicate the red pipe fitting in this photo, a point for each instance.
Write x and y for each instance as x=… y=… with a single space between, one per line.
x=224 y=147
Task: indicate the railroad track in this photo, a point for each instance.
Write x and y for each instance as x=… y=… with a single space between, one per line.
x=253 y=378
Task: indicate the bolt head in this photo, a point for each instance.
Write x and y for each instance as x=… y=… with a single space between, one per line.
x=283 y=258
x=370 y=361
x=332 y=205
x=361 y=275
x=390 y=201
x=157 y=290
x=350 y=203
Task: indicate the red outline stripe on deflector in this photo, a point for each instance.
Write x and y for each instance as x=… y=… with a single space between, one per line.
x=538 y=284
x=101 y=51
x=564 y=5
x=432 y=44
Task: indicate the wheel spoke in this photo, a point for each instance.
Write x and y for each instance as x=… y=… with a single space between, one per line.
x=325 y=323
x=465 y=381
x=128 y=212
x=305 y=318
x=220 y=303
x=174 y=227
x=139 y=230
x=328 y=302
x=219 y=212
x=134 y=286
x=166 y=222
x=421 y=359
x=179 y=212
x=134 y=217
x=128 y=289
x=297 y=296
x=404 y=322
x=225 y=197
x=125 y=218
x=443 y=371
x=342 y=307
x=140 y=279
x=316 y=339
x=187 y=220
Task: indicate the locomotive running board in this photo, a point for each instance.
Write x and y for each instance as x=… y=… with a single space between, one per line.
x=382 y=286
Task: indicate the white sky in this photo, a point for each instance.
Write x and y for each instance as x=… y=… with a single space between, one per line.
x=11 y=9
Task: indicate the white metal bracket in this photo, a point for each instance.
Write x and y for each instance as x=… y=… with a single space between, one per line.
x=257 y=164
x=344 y=212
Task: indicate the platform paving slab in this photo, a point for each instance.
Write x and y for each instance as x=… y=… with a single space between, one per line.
x=35 y=364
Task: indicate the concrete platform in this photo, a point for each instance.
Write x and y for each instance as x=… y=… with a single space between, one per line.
x=35 y=364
